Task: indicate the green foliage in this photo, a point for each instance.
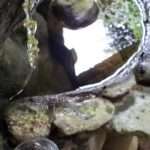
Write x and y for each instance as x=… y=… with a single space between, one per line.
x=134 y=18
x=120 y=12
x=31 y=25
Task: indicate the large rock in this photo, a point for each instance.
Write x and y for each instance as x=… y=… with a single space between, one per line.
x=15 y=69
x=133 y=113
x=88 y=115
x=28 y=120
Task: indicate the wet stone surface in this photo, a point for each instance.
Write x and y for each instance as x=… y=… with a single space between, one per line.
x=28 y=120
x=84 y=116
x=134 y=112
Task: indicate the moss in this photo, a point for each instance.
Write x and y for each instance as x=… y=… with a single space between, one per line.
x=122 y=12
x=83 y=116
x=31 y=26
x=82 y=5
x=27 y=120
x=89 y=110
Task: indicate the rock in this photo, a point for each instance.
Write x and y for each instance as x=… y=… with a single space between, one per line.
x=84 y=141
x=83 y=116
x=121 y=142
x=97 y=140
x=133 y=113
x=37 y=144
x=28 y=120
x=76 y=14
x=144 y=143
x=119 y=88
x=142 y=71
x=15 y=68
x=2 y=142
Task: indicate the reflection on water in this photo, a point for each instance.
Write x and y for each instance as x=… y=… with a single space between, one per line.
x=90 y=44
x=119 y=27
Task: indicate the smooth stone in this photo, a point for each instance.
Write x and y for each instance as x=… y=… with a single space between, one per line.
x=83 y=116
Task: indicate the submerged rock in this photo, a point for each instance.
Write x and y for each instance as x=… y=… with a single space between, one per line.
x=28 y=120
x=83 y=116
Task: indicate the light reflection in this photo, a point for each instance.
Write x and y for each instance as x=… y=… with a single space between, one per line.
x=90 y=44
